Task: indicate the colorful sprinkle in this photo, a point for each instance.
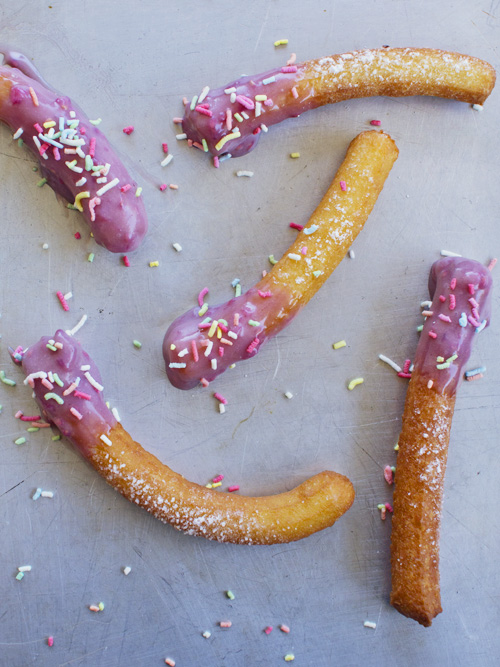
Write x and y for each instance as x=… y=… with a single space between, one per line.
x=50 y=641
x=233 y=488
x=294 y=225
x=129 y=129
x=268 y=629
x=354 y=383
x=343 y=186
x=339 y=344
x=376 y=122
x=289 y=657
x=281 y=42
x=20 y=441
x=294 y=155
x=388 y=475
x=225 y=624
x=230 y=595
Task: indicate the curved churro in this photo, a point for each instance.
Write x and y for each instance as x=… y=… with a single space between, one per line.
x=229 y=120
x=68 y=389
x=202 y=343
x=460 y=290
x=75 y=157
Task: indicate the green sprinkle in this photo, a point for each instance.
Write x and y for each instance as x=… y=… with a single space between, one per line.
x=272 y=260
x=237 y=290
x=393 y=468
x=230 y=595
x=316 y=274
x=101 y=606
x=441 y=367
x=452 y=358
x=56 y=437
x=20 y=441
x=34 y=168
x=32 y=429
x=207 y=320
x=253 y=323
x=420 y=328
x=193 y=102
x=381 y=506
x=88 y=163
x=72 y=207
x=224 y=322
x=137 y=344
x=90 y=258
x=138 y=192
x=19 y=576
x=41 y=183
x=6 y=380
x=56 y=398
x=96 y=122
x=238 y=117
x=205 y=145
x=20 y=142
x=57 y=379
x=51 y=347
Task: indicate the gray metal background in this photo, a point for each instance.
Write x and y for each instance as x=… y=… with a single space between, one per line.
x=131 y=63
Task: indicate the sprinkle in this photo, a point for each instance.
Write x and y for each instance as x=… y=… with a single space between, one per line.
x=106 y=440
x=242 y=172
x=343 y=186
x=166 y=160
x=129 y=129
x=376 y=122
x=233 y=488
x=388 y=476
x=37 y=494
x=213 y=364
x=223 y=400
x=20 y=441
x=93 y=607
x=470 y=378
x=98 y=121
x=225 y=624
x=209 y=348
x=370 y=624
x=294 y=155
x=463 y=320
x=272 y=260
x=154 y=263
x=107 y=187
x=339 y=344
x=310 y=230
x=289 y=657
x=42 y=182
x=18 y=133
x=206 y=634
x=491 y=265
x=34 y=97
x=477 y=107
x=295 y=92
x=448 y=253
x=391 y=363
x=289 y=69
x=270 y=79
x=47 y=494
x=50 y=641
x=137 y=344
x=225 y=139
x=432 y=334
x=253 y=323
x=294 y=256
x=288 y=394
x=81 y=195
x=354 y=383
x=281 y=42
x=80 y=324
x=126 y=187
x=427 y=313
x=481 y=326
x=75 y=413
x=138 y=192
x=294 y=225
x=444 y=318
x=55 y=397
x=19 y=576
x=480 y=369
x=253 y=345
x=127 y=570
x=170 y=662
x=177 y=365
x=268 y=630
x=63 y=301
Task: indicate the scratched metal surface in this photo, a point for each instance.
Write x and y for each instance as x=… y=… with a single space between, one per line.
x=131 y=63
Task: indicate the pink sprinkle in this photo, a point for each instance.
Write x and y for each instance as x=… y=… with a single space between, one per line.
x=216 y=162
x=294 y=225
x=473 y=302
x=19 y=414
x=442 y=298
x=185 y=101
x=165 y=147
x=63 y=301
x=376 y=122
x=453 y=283
x=292 y=59
x=55 y=151
x=24 y=418
x=453 y=302
x=264 y=295
x=388 y=476
x=491 y=265
x=71 y=388
x=38 y=128
x=470 y=288
x=475 y=313
x=406 y=365
x=404 y=375
x=41 y=424
x=253 y=345
x=205 y=105
x=475 y=323
x=201 y=326
x=83 y=130
x=223 y=400
x=223 y=327
x=218 y=478
x=229 y=119
x=190 y=142
x=225 y=341
x=202 y=110
x=235 y=487
x=78 y=235
x=34 y=97
x=343 y=186
x=433 y=334
x=268 y=102
x=129 y=129
x=50 y=641
x=477 y=376
x=284 y=628
x=225 y=624
x=388 y=507
x=444 y=318
x=204 y=382
x=382 y=513
x=303 y=250
x=95 y=201
x=126 y=260
x=43 y=148
x=125 y=187
x=202 y=295
x=257 y=130
x=172 y=186
x=81 y=394
x=294 y=92
x=236 y=319
x=163 y=186
x=92 y=147
x=197 y=144
x=178 y=121
x=75 y=413
x=194 y=351
x=268 y=630
x=289 y=69
x=245 y=102
x=170 y=662
x=220 y=351
x=48 y=384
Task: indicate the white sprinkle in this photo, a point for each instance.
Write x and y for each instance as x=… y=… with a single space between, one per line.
x=37 y=494
x=293 y=256
x=72 y=114
x=477 y=107
x=115 y=414
x=351 y=254
x=244 y=173
x=85 y=367
x=177 y=246
x=213 y=363
x=93 y=382
x=39 y=375
x=425 y=304
x=233 y=335
x=175 y=365
x=448 y=253
x=232 y=99
x=101 y=179
x=245 y=115
x=167 y=160
x=47 y=494
x=106 y=440
x=207 y=634
x=288 y=394
x=67 y=296
x=270 y=79
x=183 y=352
x=72 y=332
x=203 y=94
x=24 y=568
x=209 y=348
x=310 y=230
x=391 y=363
x=222 y=408
x=45 y=246
x=107 y=187
x=18 y=133
x=181 y=136
x=370 y=624
x=127 y=570
x=81 y=182
x=228 y=91
x=264 y=128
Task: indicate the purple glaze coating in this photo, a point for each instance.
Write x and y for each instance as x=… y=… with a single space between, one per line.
x=469 y=282
x=271 y=313
x=67 y=363
x=120 y=221
x=199 y=126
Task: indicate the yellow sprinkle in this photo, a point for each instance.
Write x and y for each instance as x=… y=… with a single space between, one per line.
x=155 y=263
x=212 y=329
x=260 y=98
x=208 y=486
x=203 y=309
x=172 y=346
x=339 y=344
x=396 y=447
x=294 y=155
x=354 y=383
x=138 y=192
x=224 y=140
x=216 y=484
x=79 y=196
x=49 y=123
x=289 y=657
x=280 y=42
